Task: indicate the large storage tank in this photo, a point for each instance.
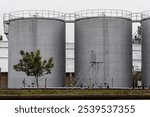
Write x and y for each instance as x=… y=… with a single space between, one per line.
x=103 y=48
x=146 y=48
x=31 y=30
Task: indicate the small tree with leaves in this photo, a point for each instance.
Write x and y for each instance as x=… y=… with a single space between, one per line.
x=32 y=64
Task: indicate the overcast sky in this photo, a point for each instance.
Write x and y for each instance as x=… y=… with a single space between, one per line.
x=71 y=5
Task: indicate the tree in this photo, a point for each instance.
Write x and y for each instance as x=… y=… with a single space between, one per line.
x=31 y=63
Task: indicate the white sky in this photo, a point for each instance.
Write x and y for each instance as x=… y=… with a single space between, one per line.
x=70 y=6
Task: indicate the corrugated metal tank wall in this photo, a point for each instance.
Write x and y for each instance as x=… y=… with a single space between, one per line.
x=29 y=34
x=146 y=48
x=109 y=39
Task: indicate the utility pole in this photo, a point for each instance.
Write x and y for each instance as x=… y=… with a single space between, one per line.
x=45 y=82
x=112 y=82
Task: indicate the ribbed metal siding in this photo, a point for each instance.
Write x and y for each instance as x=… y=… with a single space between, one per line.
x=110 y=39
x=30 y=34
x=146 y=52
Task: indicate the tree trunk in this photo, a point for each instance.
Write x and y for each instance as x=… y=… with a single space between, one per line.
x=37 y=82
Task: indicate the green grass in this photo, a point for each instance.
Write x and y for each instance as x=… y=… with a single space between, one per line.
x=40 y=92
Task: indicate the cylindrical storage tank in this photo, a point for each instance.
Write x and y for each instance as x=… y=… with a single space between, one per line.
x=145 y=26
x=103 y=48
x=32 y=30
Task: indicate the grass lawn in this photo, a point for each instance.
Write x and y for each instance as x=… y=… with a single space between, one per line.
x=74 y=92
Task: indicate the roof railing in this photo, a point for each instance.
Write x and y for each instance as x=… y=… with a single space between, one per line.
x=34 y=13
x=71 y=17
x=145 y=15
x=136 y=17
x=102 y=13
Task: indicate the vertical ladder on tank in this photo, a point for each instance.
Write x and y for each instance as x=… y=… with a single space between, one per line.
x=34 y=30
x=105 y=48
